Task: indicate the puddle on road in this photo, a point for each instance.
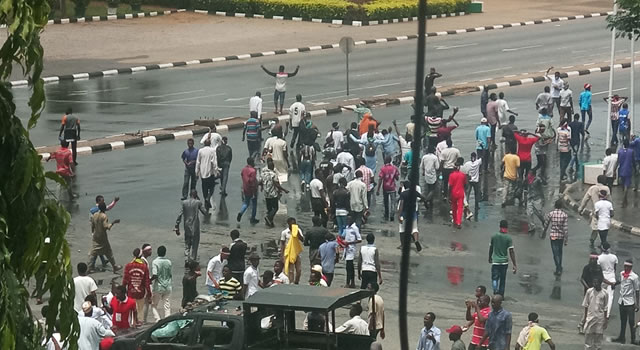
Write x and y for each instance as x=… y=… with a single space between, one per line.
x=455 y=274
x=529 y=283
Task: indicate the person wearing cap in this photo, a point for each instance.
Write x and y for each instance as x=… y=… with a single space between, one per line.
x=252 y=276
x=161 y=276
x=214 y=270
x=137 y=280
x=603 y=212
x=92 y=311
x=335 y=137
x=317 y=278
x=430 y=334
x=557 y=222
x=566 y=101
x=592 y=196
x=483 y=140
x=455 y=333
x=585 y=105
x=596 y=316
x=532 y=335
x=628 y=301
x=225 y=155
x=608 y=262
x=500 y=250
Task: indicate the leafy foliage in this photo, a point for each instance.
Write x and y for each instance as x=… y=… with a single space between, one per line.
x=387 y=9
x=627 y=20
x=27 y=214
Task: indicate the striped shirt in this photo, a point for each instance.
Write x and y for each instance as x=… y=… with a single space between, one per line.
x=252 y=126
x=230 y=288
x=478 y=327
x=558 y=222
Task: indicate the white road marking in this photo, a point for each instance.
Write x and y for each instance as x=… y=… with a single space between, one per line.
x=118 y=103
x=606 y=92
x=174 y=94
x=236 y=99
x=406 y=91
x=521 y=48
x=194 y=98
x=454 y=46
x=82 y=92
x=490 y=70
x=380 y=95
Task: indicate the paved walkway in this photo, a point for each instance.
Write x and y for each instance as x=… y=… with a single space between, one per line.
x=105 y=45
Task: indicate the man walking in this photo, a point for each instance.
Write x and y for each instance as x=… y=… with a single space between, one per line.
x=70 y=132
x=483 y=139
x=314 y=237
x=161 y=276
x=189 y=158
x=628 y=301
x=272 y=190
x=532 y=335
x=556 y=86
x=207 y=171
x=189 y=210
x=558 y=223
x=318 y=197
x=249 y=191
x=251 y=132
x=389 y=174
x=592 y=196
x=137 y=280
x=596 y=316
x=503 y=109
x=608 y=262
x=603 y=212
x=296 y=115
x=84 y=285
x=351 y=239
x=369 y=263
x=328 y=256
x=429 y=166
x=357 y=198
x=577 y=137
x=498 y=326
x=291 y=240
x=585 y=105
x=563 y=138
x=237 y=252
x=255 y=104
x=525 y=141
x=625 y=169
x=566 y=102
x=510 y=164
x=224 y=155
x=449 y=158
x=500 y=250
x=492 y=117
x=214 y=270
x=100 y=242
x=281 y=84
x=65 y=167
x=457 y=182
x=478 y=320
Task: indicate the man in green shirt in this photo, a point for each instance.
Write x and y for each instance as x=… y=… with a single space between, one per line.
x=500 y=250
x=455 y=332
x=162 y=280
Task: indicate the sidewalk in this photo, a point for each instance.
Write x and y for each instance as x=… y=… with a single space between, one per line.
x=625 y=219
x=186 y=36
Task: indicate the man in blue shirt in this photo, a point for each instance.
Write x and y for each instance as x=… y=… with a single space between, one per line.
x=498 y=326
x=328 y=253
x=483 y=138
x=189 y=157
x=585 y=105
x=635 y=146
x=625 y=169
x=429 y=335
x=390 y=144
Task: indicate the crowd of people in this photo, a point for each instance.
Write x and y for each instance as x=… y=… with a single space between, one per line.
x=341 y=176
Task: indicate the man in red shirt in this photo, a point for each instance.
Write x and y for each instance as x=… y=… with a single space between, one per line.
x=457 y=181
x=478 y=319
x=249 y=190
x=444 y=131
x=389 y=174
x=65 y=166
x=137 y=281
x=525 y=140
x=122 y=308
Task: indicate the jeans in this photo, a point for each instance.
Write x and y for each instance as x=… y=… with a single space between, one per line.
x=389 y=204
x=224 y=178
x=306 y=171
x=278 y=96
x=430 y=190
x=541 y=164
x=476 y=192
x=342 y=224
x=484 y=155
x=499 y=278
x=254 y=148
x=627 y=313
x=590 y=113
x=614 y=131
x=523 y=170
x=190 y=181
x=351 y=273
x=249 y=199
x=156 y=298
x=603 y=236
x=208 y=186
x=565 y=158
x=556 y=249
x=74 y=147
x=272 y=207
x=574 y=156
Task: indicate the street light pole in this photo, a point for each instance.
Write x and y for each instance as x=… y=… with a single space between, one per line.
x=613 y=56
x=633 y=83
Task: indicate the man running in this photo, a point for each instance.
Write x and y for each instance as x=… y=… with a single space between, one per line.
x=281 y=84
x=249 y=177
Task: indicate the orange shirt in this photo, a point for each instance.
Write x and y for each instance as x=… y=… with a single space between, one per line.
x=364 y=124
x=64 y=158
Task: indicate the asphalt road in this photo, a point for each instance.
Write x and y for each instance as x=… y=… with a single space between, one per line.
x=169 y=97
x=149 y=179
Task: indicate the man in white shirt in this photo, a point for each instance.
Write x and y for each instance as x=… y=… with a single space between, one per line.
x=556 y=86
x=503 y=108
x=472 y=169
x=608 y=262
x=356 y=325
x=448 y=157
x=318 y=197
x=357 y=198
x=351 y=239
x=91 y=333
x=336 y=136
x=251 y=278
x=346 y=158
x=296 y=114
x=429 y=166
x=214 y=270
x=609 y=166
x=207 y=170
x=603 y=212
x=212 y=136
x=279 y=276
x=255 y=104
x=566 y=102
x=84 y=285
x=628 y=301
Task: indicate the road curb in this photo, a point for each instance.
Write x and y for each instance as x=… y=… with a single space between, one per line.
x=325 y=20
x=569 y=202
x=136 y=69
x=112 y=17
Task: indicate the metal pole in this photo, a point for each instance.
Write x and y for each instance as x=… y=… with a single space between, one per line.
x=633 y=83
x=347 y=73
x=613 y=56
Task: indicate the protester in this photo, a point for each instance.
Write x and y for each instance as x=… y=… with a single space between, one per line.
x=492 y=116
x=478 y=319
x=137 y=281
x=558 y=222
x=457 y=182
x=290 y=250
x=356 y=325
x=328 y=256
x=577 y=138
x=403 y=213
x=596 y=316
x=369 y=263
x=255 y=104
x=590 y=272
x=224 y=155
x=430 y=78
x=389 y=174
x=500 y=250
x=214 y=270
x=296 y=114
x=357 y=198
x=610 y=166
x=525 y=141
x=625 y=169
x=455 y=333
x=535 y=199
x=70 y=132
x=189 y=289
x=449 y=158
x=252 y=276
x=556 y=86
x=229 y=286
x=564 y=148
x=483 y=139
x=100 y=243
x=279 y=277
x=281 y=84
x=207 y=171
x=83 y=285
x=592 y=196
x=272 y=191
x=318 y=197
x=375 y=317
x=351 y=239
x=91 y=333
x=276 y=146
x=124 y=308
x=251 y=132
x=161 y=276
x=249 y=177
x=545 y=101
x=316 y=278
x=603 y=212
x=498 y=326
x=189 y=210
x=616 y=103
x=65 y=168
x=314 y=237
x=566 y=102
x=585 y=106
x=430 y=334
x=510 y=164
x=237 y=252
x=189 y=157
x=608 y=262
x=532 y=335
x=629 y=302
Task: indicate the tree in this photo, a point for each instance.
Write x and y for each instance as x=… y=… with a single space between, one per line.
x=627 y=21
x=28 y=213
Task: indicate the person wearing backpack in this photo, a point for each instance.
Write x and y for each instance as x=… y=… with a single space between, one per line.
x=370 y=140
x=70 y=131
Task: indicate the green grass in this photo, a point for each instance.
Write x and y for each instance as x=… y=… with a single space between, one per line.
x=99 y=8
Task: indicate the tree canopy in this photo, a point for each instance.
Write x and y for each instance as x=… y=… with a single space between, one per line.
x=627 y=21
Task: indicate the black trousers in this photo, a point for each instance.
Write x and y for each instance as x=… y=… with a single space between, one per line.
x=272 y=207
x=445 y=181
x=208 y=186
x=319 y=210
x=368 y=277
x=628 y=313
x=351 y=273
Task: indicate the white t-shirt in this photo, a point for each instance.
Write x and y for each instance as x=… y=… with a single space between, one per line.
x=255 y=105
x=295 y=111
x=281 y=81
x=250 y=278
x=608 y=262
x=503 y=106
x=316 y=186
x=85 y=285
x=338 y=138
x=609 y=164
x=441 y=146
x=565 y=97
x=472 y=169
x=603 y=209
x=449 y=156
x=281 y=279
x=352 y=234
x=215 y=138
x=429 y=166
x=215 y=266
x=286 y=235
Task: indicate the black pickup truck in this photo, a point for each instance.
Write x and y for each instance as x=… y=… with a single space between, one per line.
x=266 y=320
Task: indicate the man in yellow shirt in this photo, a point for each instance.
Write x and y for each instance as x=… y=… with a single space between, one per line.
x=510 y=164
x=532 y=336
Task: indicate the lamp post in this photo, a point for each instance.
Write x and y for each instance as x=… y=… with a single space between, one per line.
x=613 y=56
